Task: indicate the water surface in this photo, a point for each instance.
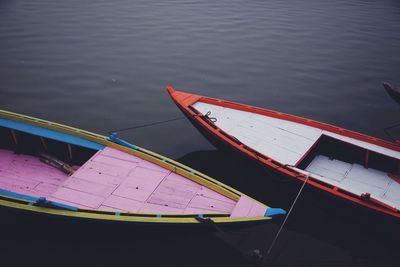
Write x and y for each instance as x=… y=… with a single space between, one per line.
x=103 y=65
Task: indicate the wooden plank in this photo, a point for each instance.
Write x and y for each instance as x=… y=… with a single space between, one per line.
x=139 y=193
x=46 y=189
x=17 y=182
x=299 y=129
x=242 y=207
x=205 y=107
x=173 y=194
x=108 y=169
x=37 y=173
x=247 y=207
x=22 y=189
x=116 y=154
x=6 y=157
x=62 y=201
x=140 y=184
x=393 y=194
x=122 y=203
x=279 y=136
x=281 y=140
x=180 y=179
x=277 y=153
x=368 y=176
x=159 y=209
x=204 y=191
x=257 y=210
x=151 y=166
x=89 y=187
x=98 y=177
x=332 y=169
x=211 y=204
x=353 y=178
x=78 y=197
x=116 y=163
x=369 y=146
x=361 y=188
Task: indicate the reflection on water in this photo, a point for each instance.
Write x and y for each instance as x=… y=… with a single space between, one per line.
x=103 y=65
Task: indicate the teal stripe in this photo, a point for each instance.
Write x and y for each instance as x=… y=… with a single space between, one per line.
x=17 y=195
x=37 y=200
x=51 y=134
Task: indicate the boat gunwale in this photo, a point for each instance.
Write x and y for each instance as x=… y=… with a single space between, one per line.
x=126 y=217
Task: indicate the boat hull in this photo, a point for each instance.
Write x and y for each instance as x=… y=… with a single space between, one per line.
x=92 y=186
x=352 y=205
x=343 y=208
x=392 y=92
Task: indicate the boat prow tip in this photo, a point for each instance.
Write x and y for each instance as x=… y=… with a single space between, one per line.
x=393 y=92
x=170 y=89
x=387 y=86
x=271 y=212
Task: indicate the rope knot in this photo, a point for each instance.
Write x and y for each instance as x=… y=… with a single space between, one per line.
x=210 y=118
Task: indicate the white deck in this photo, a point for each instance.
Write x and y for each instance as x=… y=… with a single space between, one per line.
x=357 y=179
x=287 y=142
x=281 y=140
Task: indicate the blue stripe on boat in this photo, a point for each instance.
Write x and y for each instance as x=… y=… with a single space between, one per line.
x=274 y=211
x=17 y=195
x=37 y=200
x=115 y=138
x=63 y=206
x=75 y=140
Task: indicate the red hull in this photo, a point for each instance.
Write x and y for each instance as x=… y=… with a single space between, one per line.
x=185 y=100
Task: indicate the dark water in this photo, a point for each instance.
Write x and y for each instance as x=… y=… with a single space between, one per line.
x=102 y=65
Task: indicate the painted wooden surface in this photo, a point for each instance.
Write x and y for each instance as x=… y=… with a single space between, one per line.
x=111 y=180
x=287 y=142
x=28 y=175
x=246 y=207
x=282 y=140
x=371 y=147
x=114 y=180
x=357 y=179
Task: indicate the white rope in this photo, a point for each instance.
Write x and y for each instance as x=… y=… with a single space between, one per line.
x=287 y=216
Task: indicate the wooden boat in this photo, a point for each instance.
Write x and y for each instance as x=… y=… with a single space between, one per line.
x=353 y=167
x=394 y=93
x=58 y=171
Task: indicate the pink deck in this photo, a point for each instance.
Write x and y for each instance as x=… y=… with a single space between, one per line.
x=117 y=181
x=111 y=180
x=28 y=175
x=246 y=207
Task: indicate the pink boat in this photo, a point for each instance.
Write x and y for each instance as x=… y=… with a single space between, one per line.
x=52 y=170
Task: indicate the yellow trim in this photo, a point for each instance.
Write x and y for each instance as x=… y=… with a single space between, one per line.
x=141 y=153
x=122 y=217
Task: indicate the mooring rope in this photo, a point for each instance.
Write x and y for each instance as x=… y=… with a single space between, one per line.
x=207 y=115
x=147 y=125
x=386 y=130
x=210 y=118
x=287 y=216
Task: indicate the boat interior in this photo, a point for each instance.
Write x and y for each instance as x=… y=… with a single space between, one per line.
x=355 y=166
x=355 y=169
x=105 y=179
